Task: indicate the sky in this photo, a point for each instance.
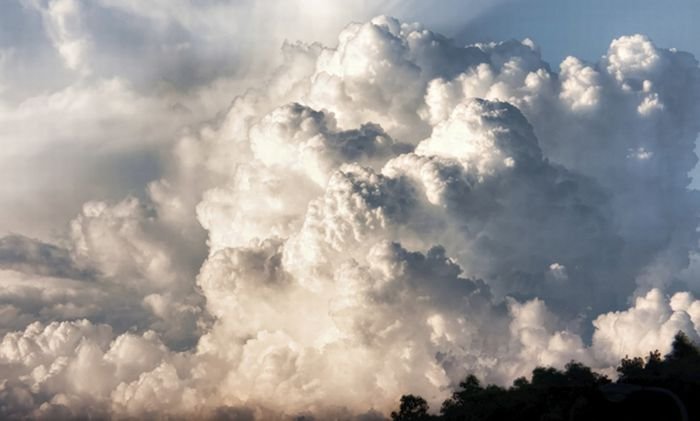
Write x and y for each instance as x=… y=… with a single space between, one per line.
x=264 y=209
x=584 y=29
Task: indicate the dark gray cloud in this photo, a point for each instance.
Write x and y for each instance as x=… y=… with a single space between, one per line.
x=31 y=256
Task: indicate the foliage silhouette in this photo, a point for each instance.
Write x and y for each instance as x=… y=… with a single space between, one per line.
x=412 y=408
x=652 y=388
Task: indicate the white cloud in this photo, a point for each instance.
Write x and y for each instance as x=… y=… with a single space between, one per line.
x=379 y=217
x=64 y=25
x=649 y=325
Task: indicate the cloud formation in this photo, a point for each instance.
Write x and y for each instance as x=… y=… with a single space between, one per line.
x=378 y=217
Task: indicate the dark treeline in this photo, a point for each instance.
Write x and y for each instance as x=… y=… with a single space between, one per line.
x=653 y=388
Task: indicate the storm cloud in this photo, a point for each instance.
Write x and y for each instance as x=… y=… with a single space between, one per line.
x=381 y=213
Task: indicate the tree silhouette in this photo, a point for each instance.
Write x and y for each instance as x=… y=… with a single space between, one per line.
x=683 y=351
x=652 y=388
x=412 y=408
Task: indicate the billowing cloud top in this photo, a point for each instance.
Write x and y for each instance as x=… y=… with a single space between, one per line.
x=379 y=217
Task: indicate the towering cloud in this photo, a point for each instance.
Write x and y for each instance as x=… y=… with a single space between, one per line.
x=379 y=217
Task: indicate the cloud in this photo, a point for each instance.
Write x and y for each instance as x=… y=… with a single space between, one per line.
x=377 y=217
x=117 y=269
x=85 y=141
x=649 y=325
x=132 y=75
x=76 y=364
x=30 y=256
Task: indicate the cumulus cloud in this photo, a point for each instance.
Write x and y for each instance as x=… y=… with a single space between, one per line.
x=380 y=216
x=132 y=75
x=649 y=324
